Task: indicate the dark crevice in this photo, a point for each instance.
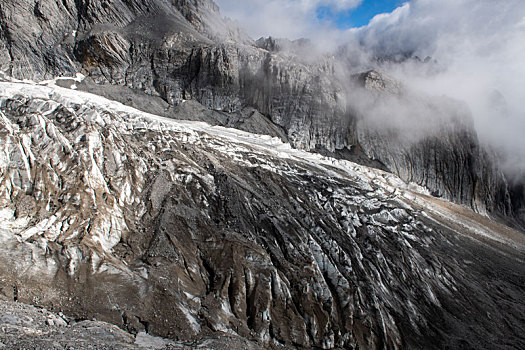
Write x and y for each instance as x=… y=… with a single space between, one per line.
x=231 y=295
x=37 y=12
x=15 y=293
x=145 y=324
x=210 y=274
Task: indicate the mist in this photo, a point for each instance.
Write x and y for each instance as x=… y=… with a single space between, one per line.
x=475 y=50
x=288 y=19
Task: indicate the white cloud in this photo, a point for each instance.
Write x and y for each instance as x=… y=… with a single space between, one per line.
x=423 y=26
x=481 y=46
x=292 y=19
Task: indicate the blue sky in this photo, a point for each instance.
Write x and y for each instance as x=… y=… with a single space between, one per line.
x=359 y=16
x=296 y=19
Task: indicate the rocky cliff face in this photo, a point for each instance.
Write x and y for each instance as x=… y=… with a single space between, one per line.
x=156 y=54
x=187 y=231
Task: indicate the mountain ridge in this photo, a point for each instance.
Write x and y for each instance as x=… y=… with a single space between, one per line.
x=192 y=54
x=162 y=173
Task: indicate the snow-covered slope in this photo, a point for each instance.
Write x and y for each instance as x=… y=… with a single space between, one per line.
x=182 y=230
x=154 y=54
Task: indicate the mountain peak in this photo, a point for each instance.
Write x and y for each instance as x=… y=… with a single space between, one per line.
x=374 y=80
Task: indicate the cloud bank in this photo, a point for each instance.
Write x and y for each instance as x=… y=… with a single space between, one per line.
x=291 y=19
x=479 y=47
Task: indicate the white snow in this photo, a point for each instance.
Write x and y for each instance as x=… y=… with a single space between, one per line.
x=231 y=141
x=194 y=323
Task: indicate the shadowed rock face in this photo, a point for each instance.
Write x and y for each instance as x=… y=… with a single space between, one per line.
x=163 y=52
x=185 y=230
